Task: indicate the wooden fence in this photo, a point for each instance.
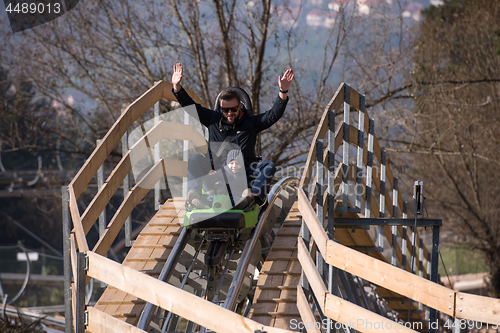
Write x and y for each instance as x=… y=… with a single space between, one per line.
x=374 y=195
x=86 y=263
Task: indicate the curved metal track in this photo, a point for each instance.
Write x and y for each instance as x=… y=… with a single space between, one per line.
x=169 y=252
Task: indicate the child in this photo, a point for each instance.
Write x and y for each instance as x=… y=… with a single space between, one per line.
x=232 y=173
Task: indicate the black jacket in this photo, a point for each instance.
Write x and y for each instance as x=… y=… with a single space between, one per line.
x=244 y=131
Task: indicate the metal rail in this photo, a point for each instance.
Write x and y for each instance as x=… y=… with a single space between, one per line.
x=167 y=270
x=235 y=287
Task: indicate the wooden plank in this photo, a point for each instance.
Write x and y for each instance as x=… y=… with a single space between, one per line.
x=72 y=242
x=81 y=241
x=311 y=219
x=286 y=322
x=167 y=94
x=100 y=322
x=312 y=273
x=171 y=298
x=116 y=223
x=135 y=301
x=261 y=286
x=335 y=102
x=359 y=318
x=131 y=200
x=280 y=273
x=106 y=192
x=390 y=277
x=306 y=315
x=114 y=135
x=478 y=308
x=160 y=90
x=390 y=177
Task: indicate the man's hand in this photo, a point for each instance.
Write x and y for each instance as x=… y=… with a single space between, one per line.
x=285 y=82
x=177 y=76
x=212 y=172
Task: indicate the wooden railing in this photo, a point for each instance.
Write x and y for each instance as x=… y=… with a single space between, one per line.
x=82 y=223
x=112 y=273
x=389 y=202
x=166 y=296
x=319 y=209
x=445 y=300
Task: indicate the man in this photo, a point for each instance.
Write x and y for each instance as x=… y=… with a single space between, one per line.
x=233 y=126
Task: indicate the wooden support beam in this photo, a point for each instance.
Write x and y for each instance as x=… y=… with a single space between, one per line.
x=360 y=319
x=311 y=219
x=390 y=277
x=334 y=104
x=311 y=271
x=72 y=242
x=81 y=241
x=114 y=135
x=100 y=322
x=306 y=314
x=101 y=199
x=171 y=298
x=129 y=202
x=478 y=308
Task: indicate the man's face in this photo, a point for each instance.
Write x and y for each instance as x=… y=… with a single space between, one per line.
x=230 y=110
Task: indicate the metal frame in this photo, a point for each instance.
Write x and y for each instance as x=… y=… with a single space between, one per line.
x=80 y=313
x=409 y=222
x=68 y=313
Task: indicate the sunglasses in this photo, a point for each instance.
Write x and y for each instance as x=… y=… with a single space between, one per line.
x=233 y=109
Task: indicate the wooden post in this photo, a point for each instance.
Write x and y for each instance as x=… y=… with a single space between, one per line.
x=345 y=151
x=403 y=236
x=156 y=111
x=126 y=187
x=319 y=196
x=394 y=229
x=369 y=165
x=100 y=183
x=382 y=197
x=359 y=168
x=331 y=283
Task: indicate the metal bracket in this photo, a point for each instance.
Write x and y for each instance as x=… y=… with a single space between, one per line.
x=85 y=318
x=86 y=262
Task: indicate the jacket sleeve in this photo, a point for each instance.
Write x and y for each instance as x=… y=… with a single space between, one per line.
x=202 y=113
x=267 y=119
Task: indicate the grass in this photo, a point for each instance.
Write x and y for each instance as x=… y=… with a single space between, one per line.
x=469 y=261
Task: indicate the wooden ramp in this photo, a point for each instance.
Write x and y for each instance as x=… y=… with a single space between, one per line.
x=275 y=301
x=279 y=299
x=276 y=293
x=147 y=255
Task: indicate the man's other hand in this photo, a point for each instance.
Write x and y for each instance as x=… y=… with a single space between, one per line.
x=177 y=76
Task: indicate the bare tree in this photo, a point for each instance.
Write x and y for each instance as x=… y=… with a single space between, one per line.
x=454 y=128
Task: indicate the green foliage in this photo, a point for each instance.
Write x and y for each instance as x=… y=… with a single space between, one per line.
x=469 y=261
